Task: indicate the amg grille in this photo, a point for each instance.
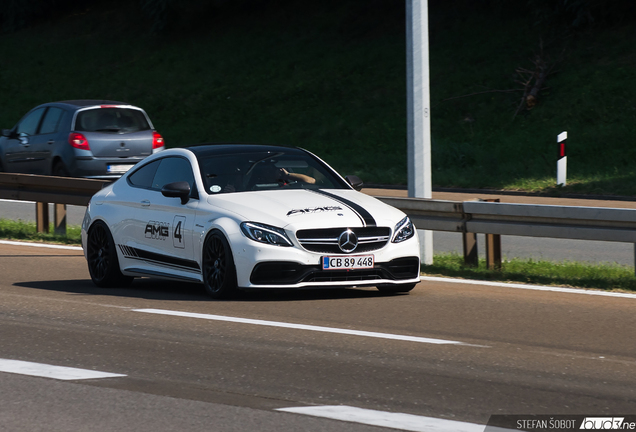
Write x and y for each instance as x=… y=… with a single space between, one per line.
x=326 y=240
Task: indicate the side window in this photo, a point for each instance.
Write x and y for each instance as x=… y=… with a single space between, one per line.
x=173 y=169
x=51 y=120
x=143 y=176
x=29 y=124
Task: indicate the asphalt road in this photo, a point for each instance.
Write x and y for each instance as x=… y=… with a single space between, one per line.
x=512 y=246
x=448 y=351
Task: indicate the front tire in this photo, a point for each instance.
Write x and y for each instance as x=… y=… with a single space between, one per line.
x=219 y=272
x=392 y=289
x=101 y=255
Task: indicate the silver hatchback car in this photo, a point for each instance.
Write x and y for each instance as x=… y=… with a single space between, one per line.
x=79 y=138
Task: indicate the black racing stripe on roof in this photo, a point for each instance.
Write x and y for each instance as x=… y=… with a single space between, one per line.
x=366 y=217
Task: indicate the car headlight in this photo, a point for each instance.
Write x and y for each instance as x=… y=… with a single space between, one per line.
x=265 y=234
x=404 y=230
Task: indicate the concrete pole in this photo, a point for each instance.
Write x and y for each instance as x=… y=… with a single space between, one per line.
x=418 y=112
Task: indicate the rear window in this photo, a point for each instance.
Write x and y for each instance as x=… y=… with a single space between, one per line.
x=111 y=120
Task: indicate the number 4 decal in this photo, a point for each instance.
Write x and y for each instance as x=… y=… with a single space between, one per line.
x=177 y=235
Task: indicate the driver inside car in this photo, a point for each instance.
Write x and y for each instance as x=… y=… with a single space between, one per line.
x=269 y=173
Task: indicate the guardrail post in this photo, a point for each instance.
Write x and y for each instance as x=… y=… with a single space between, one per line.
x=60 y=219
x=469 y=241
x=493 y=247
x=493 y=251
x=42 y=217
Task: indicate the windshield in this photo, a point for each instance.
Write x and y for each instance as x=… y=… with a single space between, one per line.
x=112 y=119
x=266 y=171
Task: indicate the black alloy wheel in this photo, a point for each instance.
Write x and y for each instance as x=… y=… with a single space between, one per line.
x=219 y=273
x=103 y=264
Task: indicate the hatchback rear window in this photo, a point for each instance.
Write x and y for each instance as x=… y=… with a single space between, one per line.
x=111 y=120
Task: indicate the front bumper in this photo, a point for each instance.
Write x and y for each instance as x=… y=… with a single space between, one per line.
x=399 y=270
x=265 y=266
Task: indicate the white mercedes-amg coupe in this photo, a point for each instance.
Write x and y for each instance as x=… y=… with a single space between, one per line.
x=237 y=216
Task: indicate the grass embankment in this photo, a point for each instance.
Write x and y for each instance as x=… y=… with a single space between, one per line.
x=601 y=276
x=330 y=77
x=605 y=276
x=26 y=231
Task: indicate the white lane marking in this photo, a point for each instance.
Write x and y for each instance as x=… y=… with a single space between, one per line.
x=530 y=287
x=17 y=201
x=302 y=327
x=50 y=371
x=407 y=422
x=42 y=245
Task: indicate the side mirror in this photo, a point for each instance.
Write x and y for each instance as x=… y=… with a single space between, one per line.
x=354 y=181
x=180 y=189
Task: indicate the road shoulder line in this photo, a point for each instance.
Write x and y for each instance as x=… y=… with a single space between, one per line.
x=529 y=287
x=42 y=245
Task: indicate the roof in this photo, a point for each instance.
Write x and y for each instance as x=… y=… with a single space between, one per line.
x=203 y=150
x=91 y=102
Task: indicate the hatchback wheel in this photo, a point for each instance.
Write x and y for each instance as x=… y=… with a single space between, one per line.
x=103 y=264
x=219 y=273
x=59 y=170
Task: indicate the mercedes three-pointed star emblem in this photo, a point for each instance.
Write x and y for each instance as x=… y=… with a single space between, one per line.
x=348 y=241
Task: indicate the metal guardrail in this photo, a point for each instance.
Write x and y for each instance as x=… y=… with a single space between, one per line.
x=532 y=220
x=469 y=217
x=44 y=190
x=496 y=219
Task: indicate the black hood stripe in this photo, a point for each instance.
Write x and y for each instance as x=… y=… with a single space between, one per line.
x=361 y=212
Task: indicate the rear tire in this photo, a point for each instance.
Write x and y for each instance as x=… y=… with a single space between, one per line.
x=59 y=170
x=390 y=289
x=219 y=272
x=101 y=255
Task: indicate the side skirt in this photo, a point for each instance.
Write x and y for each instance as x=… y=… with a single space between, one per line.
x=164 y=275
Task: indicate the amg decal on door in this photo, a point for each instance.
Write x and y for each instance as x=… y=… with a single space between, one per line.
x=157 y=230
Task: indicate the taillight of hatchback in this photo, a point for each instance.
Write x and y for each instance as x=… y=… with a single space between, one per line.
x=157 y=142
x=78 y=141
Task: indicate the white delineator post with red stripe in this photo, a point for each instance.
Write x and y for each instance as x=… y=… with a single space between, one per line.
x=562 y=160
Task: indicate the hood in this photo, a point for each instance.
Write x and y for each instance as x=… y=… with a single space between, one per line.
x=301 y=208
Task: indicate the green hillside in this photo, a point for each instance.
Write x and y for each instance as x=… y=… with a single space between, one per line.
x=330 y=77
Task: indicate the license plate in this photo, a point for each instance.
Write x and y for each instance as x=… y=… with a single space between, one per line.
x=347 y=262
x=118 y=169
